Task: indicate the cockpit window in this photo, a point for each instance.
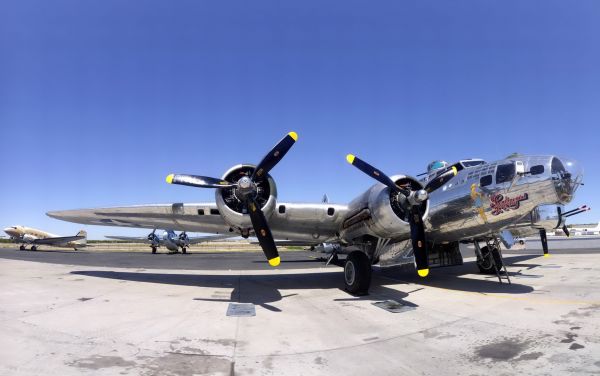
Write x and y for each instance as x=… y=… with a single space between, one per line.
x=485 y=180
x=468 y=164
x=505 y=172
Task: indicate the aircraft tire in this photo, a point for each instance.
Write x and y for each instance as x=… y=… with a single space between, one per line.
x=153 y=250
x=22 y=248
x=485 y=266
x=33 y=248
x=357 y=273
x=184 y=250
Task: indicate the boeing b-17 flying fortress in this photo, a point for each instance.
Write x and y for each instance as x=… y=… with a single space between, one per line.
x=399 y=220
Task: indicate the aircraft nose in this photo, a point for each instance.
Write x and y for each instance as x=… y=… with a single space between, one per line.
x=8 y=230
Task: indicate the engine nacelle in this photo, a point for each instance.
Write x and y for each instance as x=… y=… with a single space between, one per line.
x=378 y=212
x=232 y=208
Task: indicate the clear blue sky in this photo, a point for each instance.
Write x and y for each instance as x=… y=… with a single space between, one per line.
x=101 y=99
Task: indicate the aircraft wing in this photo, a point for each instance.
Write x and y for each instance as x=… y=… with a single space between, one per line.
x=57 y=241
x=211 y=238
x=133 y=239
x=313 y=222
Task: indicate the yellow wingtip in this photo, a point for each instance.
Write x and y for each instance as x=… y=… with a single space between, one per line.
x=170 y=178
x=293 y=135
x=546 y=255
x=350 y=158
x=275 y=261
x=423 y=272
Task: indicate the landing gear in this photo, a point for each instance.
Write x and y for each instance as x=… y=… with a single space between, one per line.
x=22 y=248
x=33 y=248
x=153 y=249
x=357 y=273
x=183 y=250
x=485 y=265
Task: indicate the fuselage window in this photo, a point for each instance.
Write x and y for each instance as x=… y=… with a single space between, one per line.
x=281 y=209
x=537 y=170
x=330 y=211
x=214 y=211
x=200 y=211
x=485 y=180
x=505 y=172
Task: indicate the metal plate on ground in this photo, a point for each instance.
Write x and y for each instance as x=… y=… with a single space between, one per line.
x=241 y=310
x=393 y=306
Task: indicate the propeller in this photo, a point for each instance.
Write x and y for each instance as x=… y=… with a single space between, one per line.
x=184 y=238
x=153 y=238
x=246 y=192
x=411 y=200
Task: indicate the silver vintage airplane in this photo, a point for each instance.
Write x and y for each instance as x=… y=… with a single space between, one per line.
x=170 y=240
x=397 y=221
x=34 y=237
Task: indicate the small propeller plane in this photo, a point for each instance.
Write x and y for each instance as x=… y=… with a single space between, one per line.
x=34 y=237
x=399 y=220
x=170 y=240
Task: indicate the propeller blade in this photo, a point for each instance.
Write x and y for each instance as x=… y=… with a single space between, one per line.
x=374 y=173
x=198 y=181
x=441 y=179
x=417 y=236
x=566 y=230
x=274 y=156
x=263 y=233
x=544 y=240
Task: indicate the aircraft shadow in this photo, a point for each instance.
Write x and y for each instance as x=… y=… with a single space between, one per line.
x=262 y=290
x=450 y=278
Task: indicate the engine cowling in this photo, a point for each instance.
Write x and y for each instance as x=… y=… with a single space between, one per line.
x=232 y=208
x=379 y=212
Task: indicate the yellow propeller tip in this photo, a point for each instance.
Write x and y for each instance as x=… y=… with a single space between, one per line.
x=454 y=170
x=170 y=178
x=546 y=255
x=423 y=272
x=350 y=158
x=275 y=261
x=293 y=135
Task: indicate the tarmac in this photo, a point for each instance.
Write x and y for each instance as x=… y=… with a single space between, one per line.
x=79 y=312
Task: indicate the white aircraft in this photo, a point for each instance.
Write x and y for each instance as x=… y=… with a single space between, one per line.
x=170 y=240
x=35 y=237
x=586 y=230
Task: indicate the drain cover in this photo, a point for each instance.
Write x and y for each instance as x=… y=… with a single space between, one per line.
x=393 y=306
x=241 y=310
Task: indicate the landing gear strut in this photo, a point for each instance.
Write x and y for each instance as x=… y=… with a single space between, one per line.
x=33 y=248
x=357 y=273
x=489 y=259
x=153 y=249
x=183 y=250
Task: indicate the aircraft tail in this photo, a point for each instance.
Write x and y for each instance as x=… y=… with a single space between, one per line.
x=84 y=240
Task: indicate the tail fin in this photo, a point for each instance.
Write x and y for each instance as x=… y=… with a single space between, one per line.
x=83 y=241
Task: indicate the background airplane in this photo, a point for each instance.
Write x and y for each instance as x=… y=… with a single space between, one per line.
x=34 y=237
x=399 y=220
x=586 y=230
x=170 y=240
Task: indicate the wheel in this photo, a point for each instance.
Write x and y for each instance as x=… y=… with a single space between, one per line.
x=485 y=266
x=22 y=248
x=183 y=250
x=33 y=248
x=521 y=241
x=357 y=273
x=153 y=250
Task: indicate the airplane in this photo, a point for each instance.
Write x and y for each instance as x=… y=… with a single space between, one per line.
x=586 y=230
x=399 y=220
x=169 y=240
x=35 y=237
